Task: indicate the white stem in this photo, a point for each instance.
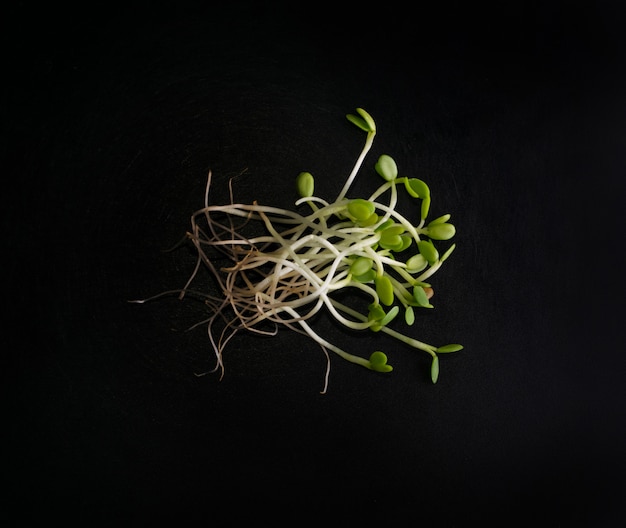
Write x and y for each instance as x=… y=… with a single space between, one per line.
x=368 y=144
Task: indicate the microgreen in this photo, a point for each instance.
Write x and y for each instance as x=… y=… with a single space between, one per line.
x=278 y=268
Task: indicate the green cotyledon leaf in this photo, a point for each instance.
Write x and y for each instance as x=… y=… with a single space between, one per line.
x=378 y=362
x=386 y=167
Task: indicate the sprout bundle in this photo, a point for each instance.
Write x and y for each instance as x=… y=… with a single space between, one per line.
x=284 y=273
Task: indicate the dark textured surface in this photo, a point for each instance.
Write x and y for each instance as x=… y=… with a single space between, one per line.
x=515 y=116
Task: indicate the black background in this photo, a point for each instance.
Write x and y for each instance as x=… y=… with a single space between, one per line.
x=514 y=113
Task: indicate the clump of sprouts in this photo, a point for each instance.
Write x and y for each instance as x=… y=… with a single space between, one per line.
x=296 y=266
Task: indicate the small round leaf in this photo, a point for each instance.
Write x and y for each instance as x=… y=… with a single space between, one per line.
x=361 y=209
x=305 y=184
x=360 y=266
x=409 y=315
x=428 y=251
x=416 y=263
x=443 y=231
x=384 y=289
x=386 y=167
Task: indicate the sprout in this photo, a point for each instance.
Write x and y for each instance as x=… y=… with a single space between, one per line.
x=364 y=121
x=378 y=361
x=386 y=167
x=305 y=184
x=361 y=210
x=283 y=274
x=443 y=231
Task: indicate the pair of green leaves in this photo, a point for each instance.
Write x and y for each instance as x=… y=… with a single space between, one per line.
x=363 y=212
x=378 y=362
x=378 y=317
x=361 y=269
x=364 y=121
x=395 y=238
x=434 y=366
x=440 y=228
